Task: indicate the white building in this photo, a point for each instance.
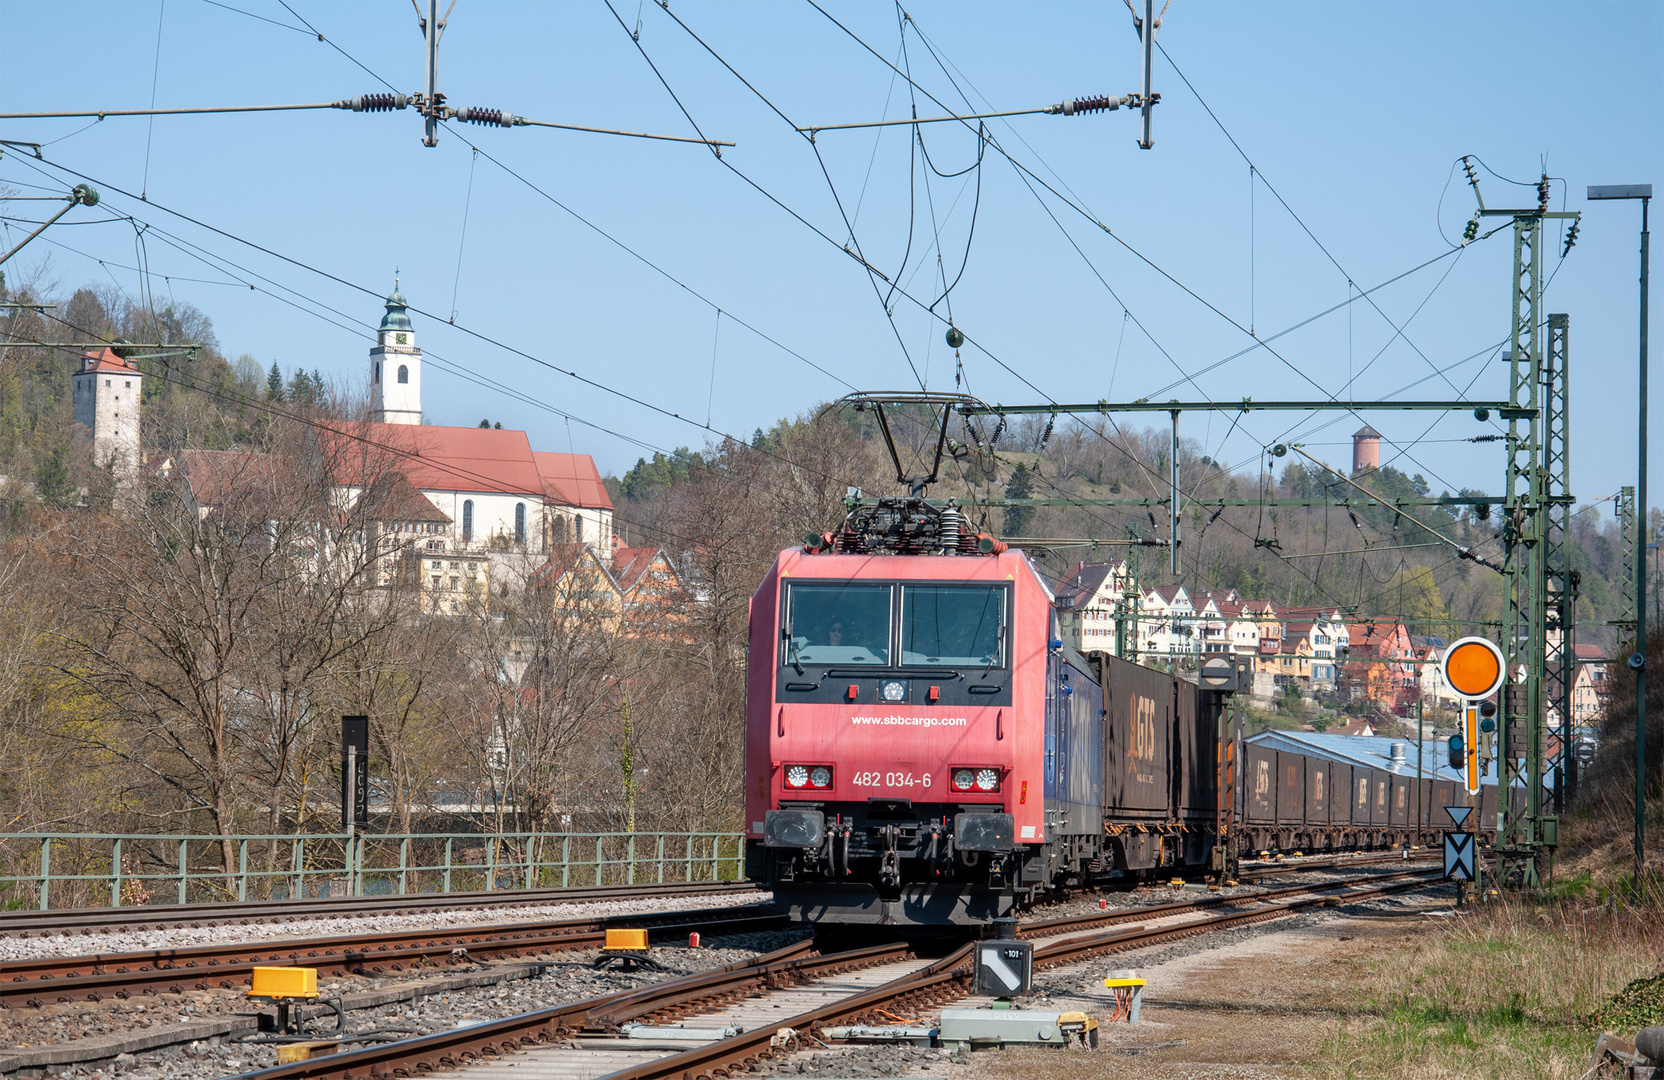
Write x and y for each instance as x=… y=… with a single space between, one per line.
x=1166 y=626
x=471 y=501
x=106 y=396
x=1090 y=601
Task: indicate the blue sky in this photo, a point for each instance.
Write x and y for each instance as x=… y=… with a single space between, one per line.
x=1354 y=113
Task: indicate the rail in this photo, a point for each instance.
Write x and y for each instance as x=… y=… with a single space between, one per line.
x=45 y=871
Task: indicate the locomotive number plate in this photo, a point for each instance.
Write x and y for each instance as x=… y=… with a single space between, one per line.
x=892 y=779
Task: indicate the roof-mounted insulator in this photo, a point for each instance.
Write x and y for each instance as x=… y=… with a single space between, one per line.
x=1100 y=103
x=374 y=103
x=1571 y=238
x=493 y=117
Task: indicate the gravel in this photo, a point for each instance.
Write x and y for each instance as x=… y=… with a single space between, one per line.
x=77 y=944
x=563 y=981
x=865 y=1061
x=1065 y=982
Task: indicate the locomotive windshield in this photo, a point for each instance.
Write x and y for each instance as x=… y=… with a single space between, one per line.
x=949 y=626
x=838 y=624
x=952 y=625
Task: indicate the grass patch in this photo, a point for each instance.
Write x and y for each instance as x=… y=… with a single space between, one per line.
x=1520 y=988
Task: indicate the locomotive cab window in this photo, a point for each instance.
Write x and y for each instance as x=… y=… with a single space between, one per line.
x=953 y=626
x=837 y=624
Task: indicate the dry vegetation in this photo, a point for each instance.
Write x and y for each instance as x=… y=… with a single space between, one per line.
x=1518 y=989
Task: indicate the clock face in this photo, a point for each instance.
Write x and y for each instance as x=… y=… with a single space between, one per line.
x=401 y=338
x=894 y=690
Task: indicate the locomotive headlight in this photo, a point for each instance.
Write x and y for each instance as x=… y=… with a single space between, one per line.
x=963 y=779
x=820 y=776
x=987 y=780
x=797 y=776
x=894 y=690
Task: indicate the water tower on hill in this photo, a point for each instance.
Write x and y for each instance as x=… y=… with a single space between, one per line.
x=1366 y=450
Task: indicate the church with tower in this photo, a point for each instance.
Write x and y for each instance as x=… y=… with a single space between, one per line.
x=495 y=492
x=472 y=502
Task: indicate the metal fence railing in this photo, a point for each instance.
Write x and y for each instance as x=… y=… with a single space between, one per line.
x=57 y=870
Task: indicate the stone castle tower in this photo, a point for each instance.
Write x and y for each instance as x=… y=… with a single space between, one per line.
x=106 y=396
x=396 y=368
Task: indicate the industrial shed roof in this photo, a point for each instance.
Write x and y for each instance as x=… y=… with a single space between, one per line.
x=1372 y=751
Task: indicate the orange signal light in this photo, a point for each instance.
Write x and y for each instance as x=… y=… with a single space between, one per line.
x=1474 y=668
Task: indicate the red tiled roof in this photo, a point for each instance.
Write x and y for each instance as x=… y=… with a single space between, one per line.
x=1588 y=653
x=628 y=564
x=571 y=480
x=106 y=360
x=435 y=458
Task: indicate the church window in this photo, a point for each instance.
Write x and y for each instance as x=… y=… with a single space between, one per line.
x=375 y=372
x=404 y=373
x=106 y=382
x=467 y=516
x=578 y=529
x=520 y=523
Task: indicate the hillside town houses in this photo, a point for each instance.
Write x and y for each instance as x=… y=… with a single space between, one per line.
x=1308 y=650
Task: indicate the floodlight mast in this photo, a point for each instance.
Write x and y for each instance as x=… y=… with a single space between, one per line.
x=1638 y=659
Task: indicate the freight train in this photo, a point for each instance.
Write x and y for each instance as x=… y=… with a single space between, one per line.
x=922 y=747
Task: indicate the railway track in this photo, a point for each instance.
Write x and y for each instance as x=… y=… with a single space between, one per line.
x=1251 y=871
x=47 y=980
x=1067 y=924
x=170 y=917
x=804 y=994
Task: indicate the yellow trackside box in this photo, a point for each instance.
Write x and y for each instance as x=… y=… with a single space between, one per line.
x=626 y=939
x=284 y=982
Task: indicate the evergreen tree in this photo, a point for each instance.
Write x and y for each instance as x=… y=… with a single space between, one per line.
x=1020 y=486
x=274 y=383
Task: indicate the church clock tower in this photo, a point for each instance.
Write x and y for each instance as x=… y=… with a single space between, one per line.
x=396 y=367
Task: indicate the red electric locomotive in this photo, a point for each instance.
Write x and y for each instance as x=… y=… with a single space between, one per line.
x=920 y=746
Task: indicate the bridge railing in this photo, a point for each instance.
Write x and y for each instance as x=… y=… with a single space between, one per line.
x=58 y=870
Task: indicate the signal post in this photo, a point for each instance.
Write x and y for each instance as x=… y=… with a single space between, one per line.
x=1474 y=669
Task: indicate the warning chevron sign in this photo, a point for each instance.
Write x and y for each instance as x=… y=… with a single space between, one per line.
x=1458 y=856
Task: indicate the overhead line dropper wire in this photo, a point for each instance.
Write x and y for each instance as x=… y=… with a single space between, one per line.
x=856 y=253
x=1025 y=174
x=1080 y=210
x=478 y=335
x=1259 y=343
